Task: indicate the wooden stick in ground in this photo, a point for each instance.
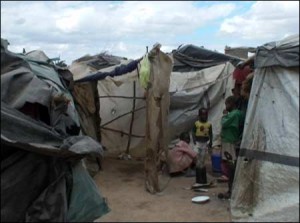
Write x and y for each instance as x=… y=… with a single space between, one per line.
x=132 y=118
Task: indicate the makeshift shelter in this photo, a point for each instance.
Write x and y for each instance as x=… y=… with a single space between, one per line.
x=123 y=105
x=42 y=176
x=266 y=184
x=114 y=85
x=86 y=98
x=115 y=96
x=205 y=81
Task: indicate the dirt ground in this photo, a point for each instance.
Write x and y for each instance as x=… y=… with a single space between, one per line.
x=122 y=183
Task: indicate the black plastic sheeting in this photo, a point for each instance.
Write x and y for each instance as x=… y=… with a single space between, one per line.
x=194 y=58
x=42 y=177
x=34 y=187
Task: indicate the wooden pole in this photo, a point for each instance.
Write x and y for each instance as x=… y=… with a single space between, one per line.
x=132 y=118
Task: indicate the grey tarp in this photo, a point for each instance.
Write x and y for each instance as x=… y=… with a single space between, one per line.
x=42 y=176
x=192 y=58
x=266 y=184
x=283 y=53
x=40 y=145
x=189 y=91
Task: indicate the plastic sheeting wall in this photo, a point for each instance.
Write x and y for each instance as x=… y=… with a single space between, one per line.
x=113 y=107
x=188 y=91
x=192 y=90
x=263 y=190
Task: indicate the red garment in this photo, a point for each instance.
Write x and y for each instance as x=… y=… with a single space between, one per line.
x=240 y=74
x=180 y=157
x=224 y=168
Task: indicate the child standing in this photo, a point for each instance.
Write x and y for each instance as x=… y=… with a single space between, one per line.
x=202 y=137
x=230 y=135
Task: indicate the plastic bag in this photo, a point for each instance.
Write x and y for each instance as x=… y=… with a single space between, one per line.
x=145 y=72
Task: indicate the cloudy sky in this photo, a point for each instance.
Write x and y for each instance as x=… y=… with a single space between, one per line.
x=124 y=28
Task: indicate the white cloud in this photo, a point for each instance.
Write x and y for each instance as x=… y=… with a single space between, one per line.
x=265 y=21
x=123 y=28
x=70 y=21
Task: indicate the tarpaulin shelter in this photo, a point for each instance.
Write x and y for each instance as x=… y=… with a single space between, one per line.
x=87 y=97
x=117 y=84
x=206 y=81
x=116 y=89
x=122 y=104
x=266 y=184
x=42 y=176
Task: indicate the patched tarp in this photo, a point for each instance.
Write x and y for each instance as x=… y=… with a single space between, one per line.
x=41 y=144
x=266 y=184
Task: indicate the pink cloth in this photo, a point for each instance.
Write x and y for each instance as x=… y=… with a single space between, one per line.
x=180 y=157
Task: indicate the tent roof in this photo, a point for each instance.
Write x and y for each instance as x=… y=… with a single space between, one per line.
x=100 y=61
x=190 y=58
x=283 y=53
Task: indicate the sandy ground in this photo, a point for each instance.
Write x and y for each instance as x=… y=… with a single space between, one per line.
x=122 y=183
